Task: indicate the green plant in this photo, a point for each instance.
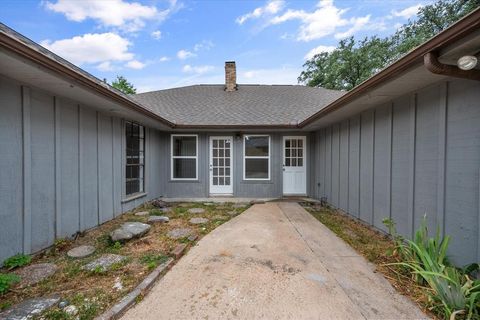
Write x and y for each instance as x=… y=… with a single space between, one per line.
x=18 y=260
x=453 y=292
x=153 y=260
x=6 y=280
x=117 y=245
x=156 y=212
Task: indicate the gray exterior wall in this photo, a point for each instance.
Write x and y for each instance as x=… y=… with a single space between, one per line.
x=241 y=188
x=418 y=154
x=61 y=168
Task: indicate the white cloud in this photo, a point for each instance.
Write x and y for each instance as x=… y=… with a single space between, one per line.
x=135 y=64
x=164 y=59
x=112 y=13
x=407 y=13
x=357 y=25
x=204 y=45
x=197 y=69
x=317 y=24
x=310 y=54
x=128 y=16
x=157 y=34
x=185 y=54
x=92 y=48
x=272 y=7
x=105 y=66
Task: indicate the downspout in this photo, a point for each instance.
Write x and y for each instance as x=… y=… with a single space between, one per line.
x=430 y=60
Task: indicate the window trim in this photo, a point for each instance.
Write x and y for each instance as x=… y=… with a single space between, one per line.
x=172 y=157
x=245 y=157
x=143 y=190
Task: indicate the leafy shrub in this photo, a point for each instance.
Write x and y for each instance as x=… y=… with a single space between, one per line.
x=156 y=212
x=18 y=260
x=6 y=280
x=453 y=292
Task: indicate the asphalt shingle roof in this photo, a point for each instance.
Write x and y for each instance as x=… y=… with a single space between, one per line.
x=249 y=105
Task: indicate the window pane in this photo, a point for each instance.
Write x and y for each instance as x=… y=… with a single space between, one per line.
x=256 y=168
x=184 y=146
x=300 y=162
x=135 y=146
x=184 y=168
x=256 y=146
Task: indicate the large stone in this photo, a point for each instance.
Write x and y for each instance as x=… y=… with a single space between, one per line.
x=179 y=233
x=81 y=251
x=198 y=220
x=29 y=308
x=196 y=210
x=104 y=262
x=166 y=209
x=142 y=213
x=35 y=273
x=158 y=219
x=130 y=230
x=159 y=203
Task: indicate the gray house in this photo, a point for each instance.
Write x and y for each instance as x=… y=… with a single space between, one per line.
x=75 y=152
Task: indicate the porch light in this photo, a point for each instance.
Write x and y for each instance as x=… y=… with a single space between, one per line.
x=467 y=62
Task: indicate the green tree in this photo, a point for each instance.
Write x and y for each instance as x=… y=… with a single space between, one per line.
x=354 y=61
x=120 y=83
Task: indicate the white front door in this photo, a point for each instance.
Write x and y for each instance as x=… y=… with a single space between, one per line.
x=294 y=166
x=221 y=165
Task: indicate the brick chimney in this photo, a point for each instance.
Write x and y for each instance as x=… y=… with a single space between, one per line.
x=230 y=76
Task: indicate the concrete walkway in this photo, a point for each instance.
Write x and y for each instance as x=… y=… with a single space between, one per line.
x=274 y=261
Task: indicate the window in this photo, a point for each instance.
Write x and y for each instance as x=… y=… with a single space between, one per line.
x=184 y=157
x=256 y=164
x=135 y=164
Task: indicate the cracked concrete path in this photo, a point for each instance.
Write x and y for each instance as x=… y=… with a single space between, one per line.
x=274 y=261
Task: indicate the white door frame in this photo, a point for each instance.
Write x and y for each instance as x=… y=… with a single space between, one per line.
x=304 y=186
x=220 y=190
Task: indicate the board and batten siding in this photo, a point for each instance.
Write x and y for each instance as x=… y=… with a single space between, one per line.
x=61 y=168
x=417 y=155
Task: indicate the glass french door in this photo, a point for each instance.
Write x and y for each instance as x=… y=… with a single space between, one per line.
x=221 y=173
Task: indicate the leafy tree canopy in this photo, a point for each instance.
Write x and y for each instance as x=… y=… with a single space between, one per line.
x=120 y=83
x=355 y=60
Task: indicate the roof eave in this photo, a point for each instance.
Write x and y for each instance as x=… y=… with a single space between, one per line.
x=29 y=53
x=455 y=32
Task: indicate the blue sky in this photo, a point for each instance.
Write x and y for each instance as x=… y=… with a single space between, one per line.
x=160 y=44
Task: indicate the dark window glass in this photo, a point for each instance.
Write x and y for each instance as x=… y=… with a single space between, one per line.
x=184 y=168
x=184 y=146
x=256 y=146
x=135 y=154
x=256 y=168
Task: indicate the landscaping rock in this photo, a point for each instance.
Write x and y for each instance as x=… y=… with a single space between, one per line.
x=167 y=209
x=104 y=262
x=196 y=210
x=219 y=217
x=177 y=252
x=179 y=233
x=81 y=251
x=158 y=219
x=142 y=213
x=198 y=220
x=193 y=237
x=240 y=205
x=62 y=304
x=35 y=273
x=208 y=204
x=29 y=308
x=185 y=205
x=71 y=310
x=159 y=203
x=120 y=235
x=129 y=230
